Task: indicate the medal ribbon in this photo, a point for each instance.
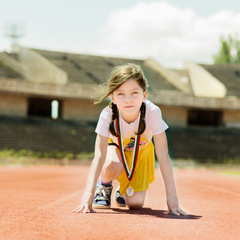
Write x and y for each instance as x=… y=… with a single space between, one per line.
x=135 y=151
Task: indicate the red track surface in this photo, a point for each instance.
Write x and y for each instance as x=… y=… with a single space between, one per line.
x=37 y=203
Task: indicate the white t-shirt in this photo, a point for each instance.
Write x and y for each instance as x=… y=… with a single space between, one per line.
x=154 y=125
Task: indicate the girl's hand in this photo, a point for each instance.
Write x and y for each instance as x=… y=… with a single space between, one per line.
x=84 y=208
x=173 y=207
x=86 y=205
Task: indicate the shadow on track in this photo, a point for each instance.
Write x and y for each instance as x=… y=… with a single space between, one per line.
x=155 y=213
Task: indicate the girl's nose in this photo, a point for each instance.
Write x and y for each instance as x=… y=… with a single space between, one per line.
x=128 y=98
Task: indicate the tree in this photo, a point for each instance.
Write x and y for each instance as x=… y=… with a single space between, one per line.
x=229 y=51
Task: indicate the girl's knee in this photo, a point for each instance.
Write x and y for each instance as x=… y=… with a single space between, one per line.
x=113 y=169
x=136 y=201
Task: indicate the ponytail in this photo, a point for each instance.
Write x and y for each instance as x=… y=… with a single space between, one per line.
x=143 y=123
x=114 y=116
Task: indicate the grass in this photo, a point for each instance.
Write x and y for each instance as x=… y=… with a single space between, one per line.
x=29 y=157
x=231 y=173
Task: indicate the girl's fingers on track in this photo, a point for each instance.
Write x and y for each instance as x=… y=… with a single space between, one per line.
x=88 y=208
x=84 y=209
x=168 y=211
x=78 y=209
x=182 y=212
x=91 y=209
x=177 y=212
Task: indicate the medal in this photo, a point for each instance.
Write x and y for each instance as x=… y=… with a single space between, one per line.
x=130 y=191
x=130 y=173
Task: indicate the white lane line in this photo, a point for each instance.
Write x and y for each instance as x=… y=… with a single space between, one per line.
x=29 y=214
x=61 y=200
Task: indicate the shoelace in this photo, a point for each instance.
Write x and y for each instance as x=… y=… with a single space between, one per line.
x=104 y=190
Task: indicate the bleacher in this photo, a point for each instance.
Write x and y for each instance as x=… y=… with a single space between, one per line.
x=40 y=134
x=50 y=135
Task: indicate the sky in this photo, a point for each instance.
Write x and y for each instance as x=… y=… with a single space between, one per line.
x=171 y=32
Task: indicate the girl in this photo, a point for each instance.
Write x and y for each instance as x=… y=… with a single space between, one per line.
x=124 y=148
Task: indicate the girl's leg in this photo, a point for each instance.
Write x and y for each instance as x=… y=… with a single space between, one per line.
x=136 y=201
x=112 y=167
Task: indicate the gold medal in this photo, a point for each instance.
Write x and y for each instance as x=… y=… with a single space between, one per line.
x=130 y=191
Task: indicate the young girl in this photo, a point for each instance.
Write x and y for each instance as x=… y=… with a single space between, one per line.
x=124 y=148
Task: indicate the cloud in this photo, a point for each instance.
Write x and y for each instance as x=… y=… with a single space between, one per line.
x=167 y=33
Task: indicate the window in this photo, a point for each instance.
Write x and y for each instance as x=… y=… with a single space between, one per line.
x=54 y=109
x=42 y=107
x=204 y=117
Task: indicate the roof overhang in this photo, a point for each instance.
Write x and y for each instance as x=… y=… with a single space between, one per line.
x=23 y=87
x=172 y=98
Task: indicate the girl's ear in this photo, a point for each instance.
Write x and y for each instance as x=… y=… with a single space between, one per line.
x=112 y=98
x=144 y=95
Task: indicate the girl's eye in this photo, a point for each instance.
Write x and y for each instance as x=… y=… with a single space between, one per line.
x=120 y=94
x=135 y=92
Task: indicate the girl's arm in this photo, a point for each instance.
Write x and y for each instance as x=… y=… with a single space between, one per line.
x=95 y=170
x=161 y=148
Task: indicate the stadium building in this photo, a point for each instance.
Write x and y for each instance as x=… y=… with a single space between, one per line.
x=46 y=102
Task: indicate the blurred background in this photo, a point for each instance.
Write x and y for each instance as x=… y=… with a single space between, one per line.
x=53 y=55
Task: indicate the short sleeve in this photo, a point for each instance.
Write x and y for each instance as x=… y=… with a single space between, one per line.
x=104 y=122
x=155 y=121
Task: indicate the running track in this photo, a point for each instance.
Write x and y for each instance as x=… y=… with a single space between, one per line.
x=37 y=203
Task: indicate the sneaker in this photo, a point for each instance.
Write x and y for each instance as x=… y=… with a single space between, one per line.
x=119 y=199
x=102 y=197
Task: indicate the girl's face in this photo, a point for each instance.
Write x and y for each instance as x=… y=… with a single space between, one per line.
x=128 y=98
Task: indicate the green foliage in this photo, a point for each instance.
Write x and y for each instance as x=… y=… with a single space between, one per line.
x=85 y=155
x=56 y=154
x=229 y=51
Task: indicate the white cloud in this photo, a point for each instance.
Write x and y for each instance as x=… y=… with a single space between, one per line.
x=169 y=34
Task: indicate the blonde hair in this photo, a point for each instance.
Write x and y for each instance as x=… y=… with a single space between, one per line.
x=117 y=77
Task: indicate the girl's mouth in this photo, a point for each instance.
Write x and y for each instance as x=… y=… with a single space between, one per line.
x=129 y=106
